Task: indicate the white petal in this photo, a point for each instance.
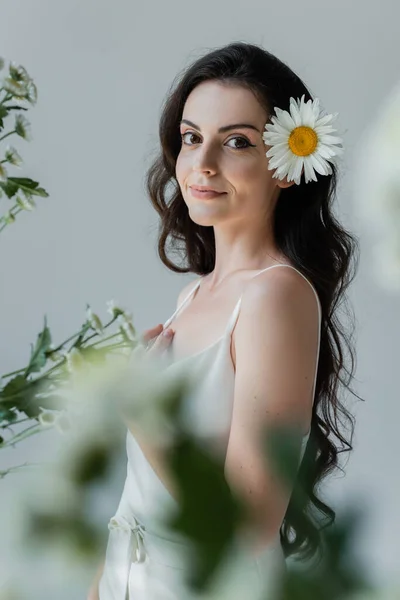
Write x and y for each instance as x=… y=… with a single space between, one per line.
x=272 y=138
x=294 y=111
x=318 y=165
x=277 y=162
x=325 y=151
x=277 y=128
x=298 y=168
x=277 y=149
x=308 y=170
x=286 y=120
x=330 y=139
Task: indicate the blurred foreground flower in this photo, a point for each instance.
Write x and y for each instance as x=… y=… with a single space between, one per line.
x=61 y=513
x=35 y=394
x=377 y=189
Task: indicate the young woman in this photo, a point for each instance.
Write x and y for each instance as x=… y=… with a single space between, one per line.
x=260 y=320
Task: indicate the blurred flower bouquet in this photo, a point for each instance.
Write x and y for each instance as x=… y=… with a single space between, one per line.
x=34 y=393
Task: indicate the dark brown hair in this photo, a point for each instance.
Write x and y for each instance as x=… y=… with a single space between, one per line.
x=306 y=232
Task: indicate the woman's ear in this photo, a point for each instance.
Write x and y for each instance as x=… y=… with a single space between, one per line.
x=285 y=183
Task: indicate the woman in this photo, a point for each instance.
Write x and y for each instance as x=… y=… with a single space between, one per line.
x=260 y=321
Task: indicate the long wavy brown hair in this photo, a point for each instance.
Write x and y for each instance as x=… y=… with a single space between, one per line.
x=307 y=233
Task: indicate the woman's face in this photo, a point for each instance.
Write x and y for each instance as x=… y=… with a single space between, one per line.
x=232 y=160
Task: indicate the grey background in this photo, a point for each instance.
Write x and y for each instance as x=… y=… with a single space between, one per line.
x=102 y=70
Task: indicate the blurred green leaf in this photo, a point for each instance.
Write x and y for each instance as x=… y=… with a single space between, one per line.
x=38 y=354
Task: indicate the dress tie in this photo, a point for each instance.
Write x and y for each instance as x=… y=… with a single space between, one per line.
x=126 y=546
x=138 y=548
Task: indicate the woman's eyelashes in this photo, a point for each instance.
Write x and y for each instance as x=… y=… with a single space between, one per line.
x=243 y=139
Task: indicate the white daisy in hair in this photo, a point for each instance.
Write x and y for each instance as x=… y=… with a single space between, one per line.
x=301 y=138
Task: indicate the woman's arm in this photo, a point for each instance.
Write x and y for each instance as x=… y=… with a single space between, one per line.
x=94 y=588
x=276 y=340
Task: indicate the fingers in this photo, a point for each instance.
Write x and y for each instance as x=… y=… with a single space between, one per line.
x=149 y=334
x=162 y=341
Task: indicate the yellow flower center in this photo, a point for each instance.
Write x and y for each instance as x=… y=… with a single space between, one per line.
x=303 y=141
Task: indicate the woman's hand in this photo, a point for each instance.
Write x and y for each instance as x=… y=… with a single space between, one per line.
x=156 y=340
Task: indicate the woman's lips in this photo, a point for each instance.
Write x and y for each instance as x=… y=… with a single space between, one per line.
x=205 y=195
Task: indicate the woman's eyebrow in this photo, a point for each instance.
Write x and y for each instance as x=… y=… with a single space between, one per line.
x=225 y=127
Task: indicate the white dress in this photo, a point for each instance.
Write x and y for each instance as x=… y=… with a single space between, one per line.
x=145 y=562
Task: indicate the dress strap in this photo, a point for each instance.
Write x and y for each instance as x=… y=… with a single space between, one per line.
x=235 y=314
x=303 y=276
x=194 y=288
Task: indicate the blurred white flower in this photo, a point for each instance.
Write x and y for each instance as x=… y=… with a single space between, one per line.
x=26 y=203
x=13 y=157
x=15 y=88
x=63 y=422
x=47 y=417
x=31 y=92
x=3 y=173
x=377 y=188
x=19 y=73
x=94 y=321
x=56 y=356
x=129 y=330
x=9 y=218
x=75 y=360
x=22 y=127
x=114 y=309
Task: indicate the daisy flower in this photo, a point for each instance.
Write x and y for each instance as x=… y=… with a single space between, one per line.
x=94 y=320
x=22 y=127
x=301 y=140
x=113 y=309
x=13 y=157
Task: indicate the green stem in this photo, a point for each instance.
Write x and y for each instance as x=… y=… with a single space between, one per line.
x=78 y=334
x=110 y=337
x=14 y=373
x=7 y=97
x=13 y=213
x=7 y=134
x=16 y=423
x=11 y=469
x=56 y=366
x=32 y=430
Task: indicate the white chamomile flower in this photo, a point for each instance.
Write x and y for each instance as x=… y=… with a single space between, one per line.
x=3 y=173
x=94 y=321
x=47 y=418
x=31 y=92
x=9 y=218
x=63 y=422
x=15 y=88
x=127 y=328
x=19 y=73
x=22 y=127
x=75 y=360
x=13 y=157
x=113 y=309
x=301 y=139
x=26 y=203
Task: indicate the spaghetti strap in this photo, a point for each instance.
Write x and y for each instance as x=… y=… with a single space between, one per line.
x=303 y=276
x=194 y=288
x=319 y=315
x=235 y=314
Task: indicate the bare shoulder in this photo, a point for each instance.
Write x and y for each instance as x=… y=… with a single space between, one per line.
x=281 y=285
x=278 y=299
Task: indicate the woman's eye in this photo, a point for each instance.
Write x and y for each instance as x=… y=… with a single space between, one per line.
x=191 y=134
